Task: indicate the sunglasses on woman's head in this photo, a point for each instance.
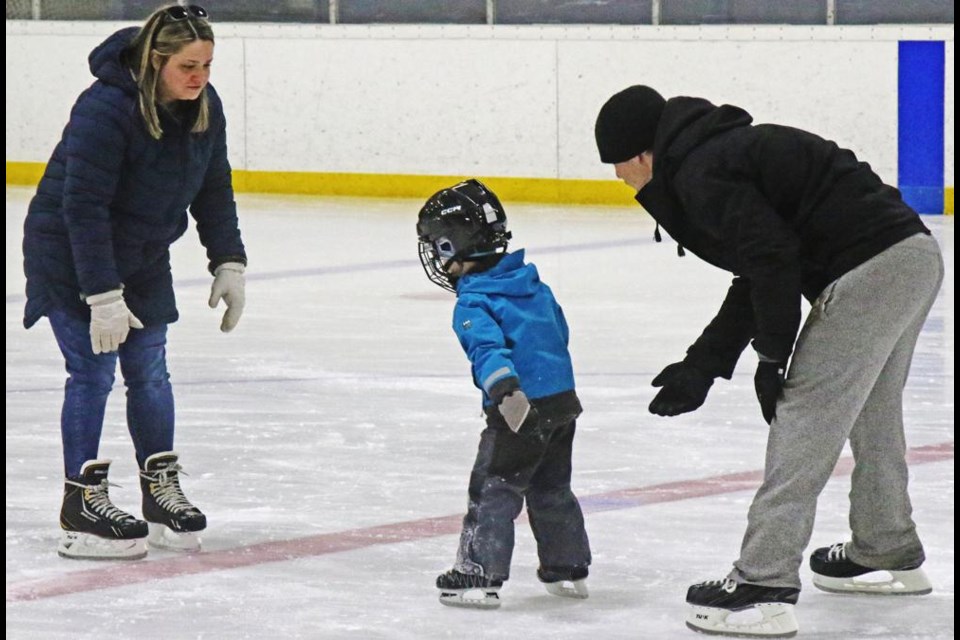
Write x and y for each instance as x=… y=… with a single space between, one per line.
x=179 y=12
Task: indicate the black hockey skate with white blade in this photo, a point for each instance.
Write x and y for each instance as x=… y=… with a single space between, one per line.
x=834 y=572
x=728 y=608
x=565 y=582
x=466 y=590
x=93 y=527
x=174 y=521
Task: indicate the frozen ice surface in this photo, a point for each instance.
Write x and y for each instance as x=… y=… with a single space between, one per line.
x=330 y=437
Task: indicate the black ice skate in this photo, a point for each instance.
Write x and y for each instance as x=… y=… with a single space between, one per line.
x=566 y=582
x=464 y=590
x=728 y=608
x=833 y=571
x=174 y=522
x=93 y=527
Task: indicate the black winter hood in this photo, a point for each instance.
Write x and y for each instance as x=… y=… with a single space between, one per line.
x=685 y=124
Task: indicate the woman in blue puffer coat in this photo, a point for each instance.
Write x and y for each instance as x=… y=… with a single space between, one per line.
x=145 y=143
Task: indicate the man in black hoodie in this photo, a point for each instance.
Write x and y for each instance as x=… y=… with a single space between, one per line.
x=791 y=214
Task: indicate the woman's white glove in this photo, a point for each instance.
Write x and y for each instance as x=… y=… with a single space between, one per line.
x=110 y=321
x=228 y=285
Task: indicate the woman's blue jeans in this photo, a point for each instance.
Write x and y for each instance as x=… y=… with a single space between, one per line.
x=143 y=363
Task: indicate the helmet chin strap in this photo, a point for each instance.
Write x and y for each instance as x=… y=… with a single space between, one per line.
x=452 y=261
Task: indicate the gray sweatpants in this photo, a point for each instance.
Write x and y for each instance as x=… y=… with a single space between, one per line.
x=846 y=380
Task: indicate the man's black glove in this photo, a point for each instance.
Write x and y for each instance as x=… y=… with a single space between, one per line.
x=768 y=381
x=685 y=388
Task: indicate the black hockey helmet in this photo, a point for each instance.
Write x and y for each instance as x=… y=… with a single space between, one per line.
x=463 y=222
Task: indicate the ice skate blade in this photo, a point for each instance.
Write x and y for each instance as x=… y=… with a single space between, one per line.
x=163 y=537
x=458 y=598
x=772 y=620
x=86 y=546
x=568 y=589
x=881 y=583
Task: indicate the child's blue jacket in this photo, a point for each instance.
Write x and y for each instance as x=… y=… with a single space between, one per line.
x=513 y=331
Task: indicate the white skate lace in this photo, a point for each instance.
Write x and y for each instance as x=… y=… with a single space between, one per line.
x=166 y=490
x=837 y=552
x=98 y=498
x=726 y=584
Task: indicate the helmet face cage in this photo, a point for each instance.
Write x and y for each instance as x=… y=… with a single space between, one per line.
x=434 y=266
x=463 y=222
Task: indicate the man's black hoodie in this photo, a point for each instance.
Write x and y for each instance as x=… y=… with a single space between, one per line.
x=784 y=210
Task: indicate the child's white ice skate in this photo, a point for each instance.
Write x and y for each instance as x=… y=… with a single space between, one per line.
x=565 y=582
x=465 y=590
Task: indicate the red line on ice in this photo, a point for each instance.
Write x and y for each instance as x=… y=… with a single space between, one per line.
x=119 y=574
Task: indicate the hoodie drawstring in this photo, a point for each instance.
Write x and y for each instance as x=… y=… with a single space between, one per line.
x=658 y=238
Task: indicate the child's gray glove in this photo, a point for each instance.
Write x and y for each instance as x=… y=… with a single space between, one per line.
x=514 y=407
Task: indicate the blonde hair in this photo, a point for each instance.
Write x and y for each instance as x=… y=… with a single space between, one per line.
x=165 y=37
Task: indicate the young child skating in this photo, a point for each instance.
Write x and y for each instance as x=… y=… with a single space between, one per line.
x=514 y=333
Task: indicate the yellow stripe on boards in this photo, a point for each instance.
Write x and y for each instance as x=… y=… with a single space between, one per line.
x=422 y=187
x=25 y=173
x=371 y=185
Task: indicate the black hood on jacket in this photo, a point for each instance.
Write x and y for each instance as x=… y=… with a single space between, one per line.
x=107 y=63
x=686 y=123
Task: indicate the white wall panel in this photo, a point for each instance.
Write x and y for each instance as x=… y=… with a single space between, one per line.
x=44 y=78
x=229 y=77
x=504 y=101
x=403 y=106
x=846 y=91
x=46 y=72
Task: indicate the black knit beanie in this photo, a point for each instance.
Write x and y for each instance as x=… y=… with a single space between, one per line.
x=627 y=123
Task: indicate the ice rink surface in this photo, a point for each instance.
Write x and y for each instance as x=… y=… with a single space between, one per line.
x=329 y=439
